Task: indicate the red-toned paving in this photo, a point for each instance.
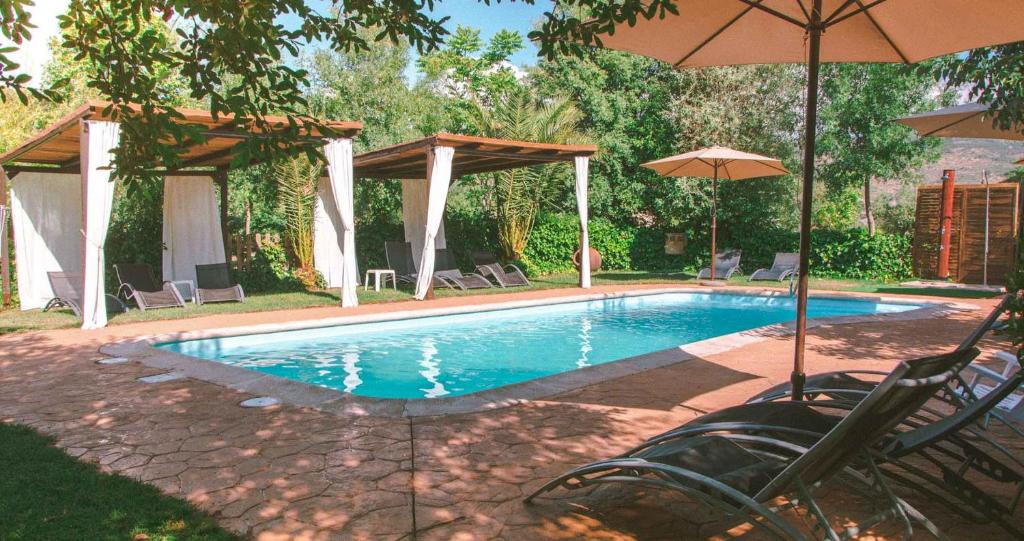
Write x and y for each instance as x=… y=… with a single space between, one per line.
x=294 y=473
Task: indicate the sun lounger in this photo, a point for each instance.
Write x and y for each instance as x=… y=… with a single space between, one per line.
x=726 y=263
x=852 y=384
x=742 y=468
x=214 y=284
x=399 y=259
x=784 y=265
x=137 y=283
x=68 y=292
x=446 y=269
x=506 y=275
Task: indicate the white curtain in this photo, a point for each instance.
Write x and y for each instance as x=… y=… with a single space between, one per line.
x=46 y=213
x=440 y=178
x=339 y=168
x=99 y=140
x=582 y=168
x=415 y=196
x=192 y=233
x=327 y=254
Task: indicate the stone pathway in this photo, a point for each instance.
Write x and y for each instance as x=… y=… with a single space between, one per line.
x=286 y=472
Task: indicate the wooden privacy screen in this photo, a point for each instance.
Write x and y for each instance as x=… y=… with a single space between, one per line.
x=967 y=249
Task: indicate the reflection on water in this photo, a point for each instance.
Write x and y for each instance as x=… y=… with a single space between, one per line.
x=431 y=369
x=585 y=347
x=350 y=364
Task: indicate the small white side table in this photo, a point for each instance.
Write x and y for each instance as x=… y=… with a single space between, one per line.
x=377 y=273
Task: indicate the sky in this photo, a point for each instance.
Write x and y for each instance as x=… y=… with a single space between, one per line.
x=33 y=55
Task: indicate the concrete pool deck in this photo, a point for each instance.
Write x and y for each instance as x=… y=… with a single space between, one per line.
x=286 y=471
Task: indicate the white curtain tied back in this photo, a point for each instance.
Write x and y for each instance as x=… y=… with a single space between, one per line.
x=440 y=179
x=98 y=142
x=582 y=170
x=339 y=169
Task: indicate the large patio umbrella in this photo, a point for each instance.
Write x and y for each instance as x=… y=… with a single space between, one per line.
x=717 y=162
x=730 y=32
x=973 y=121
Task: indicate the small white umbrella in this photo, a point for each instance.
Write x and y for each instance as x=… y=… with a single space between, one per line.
x=717 y=162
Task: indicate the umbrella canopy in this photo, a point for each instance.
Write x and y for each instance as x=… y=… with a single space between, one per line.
x=971 y=120
x=1019 y=162
x=730 y=32
x=717 y=162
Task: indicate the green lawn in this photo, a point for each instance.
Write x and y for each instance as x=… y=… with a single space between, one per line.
x=32 y=320
x=46 y=494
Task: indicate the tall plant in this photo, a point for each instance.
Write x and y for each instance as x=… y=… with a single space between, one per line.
x=296 y=194
x=520 y=114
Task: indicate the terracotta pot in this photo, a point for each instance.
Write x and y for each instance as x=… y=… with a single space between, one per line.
x=595 y=260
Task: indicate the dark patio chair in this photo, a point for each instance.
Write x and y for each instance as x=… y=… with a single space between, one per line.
x=399 y=259
x=214 y=284
x=741 y=468
x=507 y=275
x=446 y=269
x=68 y=291
x=138 y=283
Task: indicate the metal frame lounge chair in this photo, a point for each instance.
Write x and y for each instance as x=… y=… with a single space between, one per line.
x=399 y=259
x=783 y=266
x=507 y=275
x=447 y=270
x=934 y=452
x=68 y=291
x=741 y=468
x=853 y=384
x=727 y=262
x=137 y=283
x=214 y=284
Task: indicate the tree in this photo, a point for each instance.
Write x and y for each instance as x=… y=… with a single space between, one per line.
x=858 y=142
x=297 y=180
x=992 y=75
x=523 y=115
x=466 y=72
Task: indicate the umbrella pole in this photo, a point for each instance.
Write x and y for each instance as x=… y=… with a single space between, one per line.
x=714 y=218
x=797 y=378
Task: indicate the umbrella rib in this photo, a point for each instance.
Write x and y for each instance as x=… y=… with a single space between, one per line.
x=803 y=8
x=953 y=123
x=757 y=5
x=840 y=9
x=680 y=166
x=717 y=33
x=772 y=166
x=857 y=11
x=878 y=27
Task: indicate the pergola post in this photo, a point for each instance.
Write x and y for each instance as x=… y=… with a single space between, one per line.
x=99 y=139
x=439 y=176
x=582 y=172
x=5 y=263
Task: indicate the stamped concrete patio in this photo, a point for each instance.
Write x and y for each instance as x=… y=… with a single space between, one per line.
x=287 y=472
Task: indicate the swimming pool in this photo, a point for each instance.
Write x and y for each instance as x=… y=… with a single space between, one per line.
x=453 y=355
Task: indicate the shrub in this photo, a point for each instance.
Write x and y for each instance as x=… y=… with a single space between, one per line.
x=270 y=272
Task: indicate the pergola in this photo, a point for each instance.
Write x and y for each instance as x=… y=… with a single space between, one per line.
x=427 y=166
x=62 y=195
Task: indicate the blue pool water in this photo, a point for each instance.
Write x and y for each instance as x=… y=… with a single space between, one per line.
x=460 y=354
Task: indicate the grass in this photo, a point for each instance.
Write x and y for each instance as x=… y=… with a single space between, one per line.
x=34 y=320
x=46 y=494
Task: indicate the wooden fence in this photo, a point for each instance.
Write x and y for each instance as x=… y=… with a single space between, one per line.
x=967 y=248
x=243 y=248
